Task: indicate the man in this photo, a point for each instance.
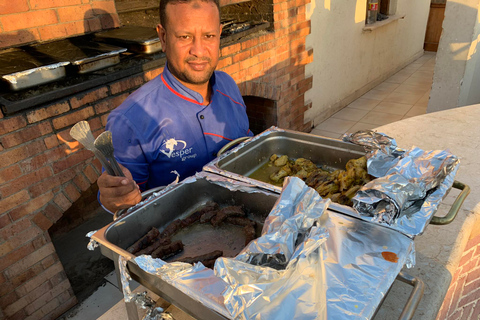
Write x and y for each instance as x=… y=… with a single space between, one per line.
x=179 y=120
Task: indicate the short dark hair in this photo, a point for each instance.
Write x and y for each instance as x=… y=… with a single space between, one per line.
x=163 y=5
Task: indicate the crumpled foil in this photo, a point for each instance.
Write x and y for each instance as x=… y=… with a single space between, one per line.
x=140 y=299
x=92 y=244
x=410 y=184
x=381 y=150
x=353 y=280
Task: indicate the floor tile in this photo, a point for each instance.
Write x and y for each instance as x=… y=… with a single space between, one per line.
x=398 y=78
x=387 y=86
x=418 y=81
x=412 y=89
x=324 y=133
x=364 y=104
x=351 y=114
x=335 y=125
x=406 y=98
x=380 y=118
x=393 y=108
x=376 y=94
x=361 y=126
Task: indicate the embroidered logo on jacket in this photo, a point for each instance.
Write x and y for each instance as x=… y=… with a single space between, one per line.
x=173 y=148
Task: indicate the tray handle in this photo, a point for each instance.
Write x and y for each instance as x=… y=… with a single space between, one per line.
x=231 y=144
x=145 y=195
x=452 y=213
x=415 y=296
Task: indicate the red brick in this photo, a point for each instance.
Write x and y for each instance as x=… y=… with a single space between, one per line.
x=20 y=153
x=91 y=174
x=93 y=24
x=100 y=7
x=46 y=185
x=25 y=181
x=42 y=222
x=49 y=261
x=28 y=19
x=15 y=307
x=31 y=206
x=61 y=30
x=27 y=134
x=74 y=13
x=40 y=279
x=4 y=220
x=72 y=118
x=27 y=262
x=15 y=228
x=233 y=49
x=10 y=173
x=23 y=237
x=62 y=201
x=11 y=202
x=65 y=305
x=41 y=240
x=108 y=105
x=8 y=299
x=51 y=141
x=126 y=84
x=27 y=275
x=109 y=20
x=38 y=297
x=42 y=159
x=53 y=212
x=89 y=97
x=149 y=75
x=47 y=112
x=72 y=160
x=72 y=192
x=43 y=4
x=11 y=124
x=8 y=7
x=81 y=182
x=104 y=119
x=15 y=256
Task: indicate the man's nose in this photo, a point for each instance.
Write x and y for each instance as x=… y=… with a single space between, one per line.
x=198 y=47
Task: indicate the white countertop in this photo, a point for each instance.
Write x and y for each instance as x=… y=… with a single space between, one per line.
x=439 y=249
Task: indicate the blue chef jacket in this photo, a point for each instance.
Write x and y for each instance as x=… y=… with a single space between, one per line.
x=163 y=127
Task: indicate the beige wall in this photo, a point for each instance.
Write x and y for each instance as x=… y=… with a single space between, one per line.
x=349 y=61
x=454 y=76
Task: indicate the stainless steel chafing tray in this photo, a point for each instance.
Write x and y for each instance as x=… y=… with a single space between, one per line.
x=182 y=199
x=136 y=38
x=240 y=162
x=20 y=69
x=85 y=56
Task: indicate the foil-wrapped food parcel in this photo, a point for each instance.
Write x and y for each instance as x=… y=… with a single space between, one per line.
x=409 y=184
x=308 y=263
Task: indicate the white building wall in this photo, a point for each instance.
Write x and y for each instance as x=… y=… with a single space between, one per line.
x=348 y=61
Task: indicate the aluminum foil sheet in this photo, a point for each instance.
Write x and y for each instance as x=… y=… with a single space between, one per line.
x=410 y=185
x=381 y=150
x=336 y=267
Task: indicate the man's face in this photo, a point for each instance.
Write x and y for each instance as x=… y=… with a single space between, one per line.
x=191 y=41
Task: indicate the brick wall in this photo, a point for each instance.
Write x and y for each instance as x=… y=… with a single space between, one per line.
x=24 y=21
x=43 y=170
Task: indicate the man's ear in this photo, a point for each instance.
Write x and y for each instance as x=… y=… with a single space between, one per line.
x=162 y=34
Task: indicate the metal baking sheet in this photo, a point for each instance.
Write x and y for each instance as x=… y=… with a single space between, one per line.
x=136 y=38
x=86 y=56
x=240 y=162
x=20 y=69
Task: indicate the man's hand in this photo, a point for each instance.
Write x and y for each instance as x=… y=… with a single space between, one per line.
x=118 y=192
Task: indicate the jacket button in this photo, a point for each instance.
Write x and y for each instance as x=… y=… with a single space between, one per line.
x=202 y=117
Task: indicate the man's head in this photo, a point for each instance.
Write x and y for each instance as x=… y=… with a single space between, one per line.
x=190 y=34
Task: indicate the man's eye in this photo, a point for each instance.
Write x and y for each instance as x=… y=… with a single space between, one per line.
x=210 y=36
x=184 y=37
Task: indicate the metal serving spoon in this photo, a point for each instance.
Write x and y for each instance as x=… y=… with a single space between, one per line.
x=105 y=145
x=82 y=133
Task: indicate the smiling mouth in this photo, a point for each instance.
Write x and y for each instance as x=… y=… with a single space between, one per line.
x=198 y=66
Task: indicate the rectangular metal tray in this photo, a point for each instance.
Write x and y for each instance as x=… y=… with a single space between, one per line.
x=84 y=55
x=184 y=199
x=21 y=70
x=240 y=162
x=136 y=38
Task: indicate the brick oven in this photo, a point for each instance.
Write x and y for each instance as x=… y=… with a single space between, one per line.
x=43 y=171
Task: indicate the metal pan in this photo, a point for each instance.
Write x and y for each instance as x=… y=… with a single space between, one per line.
x=136 y=38
x=85 y=56
x=20 y=70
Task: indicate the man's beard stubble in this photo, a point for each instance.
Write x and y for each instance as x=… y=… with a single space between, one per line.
x=192 y=77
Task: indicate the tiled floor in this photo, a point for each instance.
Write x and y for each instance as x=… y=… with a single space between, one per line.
x=403 y=95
